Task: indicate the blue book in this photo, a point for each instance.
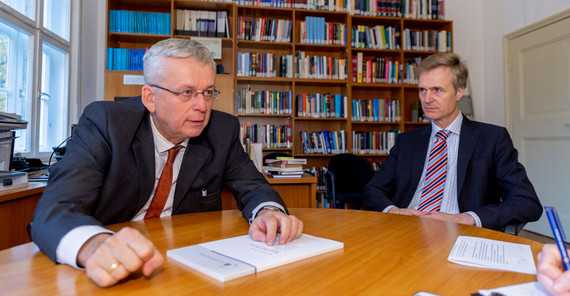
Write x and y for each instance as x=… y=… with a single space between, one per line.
x=327 y=142
x=375 y=109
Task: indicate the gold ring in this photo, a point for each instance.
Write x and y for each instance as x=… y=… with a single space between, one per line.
x=114 y=266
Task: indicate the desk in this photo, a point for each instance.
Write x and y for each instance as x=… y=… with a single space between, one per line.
x=17 y=208
x=384 y=254
x=295 y=192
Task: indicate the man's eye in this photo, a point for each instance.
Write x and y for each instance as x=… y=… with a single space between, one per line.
x=187 y=92
x=208 y=93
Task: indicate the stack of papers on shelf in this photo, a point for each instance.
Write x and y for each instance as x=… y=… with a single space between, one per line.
x=231 y=258
x=10 y=121
x=284 y=167
x=494 y=254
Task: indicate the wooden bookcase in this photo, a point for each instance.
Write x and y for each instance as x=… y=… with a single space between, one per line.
x=230 y=83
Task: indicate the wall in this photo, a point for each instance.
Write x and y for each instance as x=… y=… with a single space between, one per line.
x=478 y=28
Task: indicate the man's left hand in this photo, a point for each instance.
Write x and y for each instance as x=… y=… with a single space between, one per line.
x=457 y=218
x=268 y=223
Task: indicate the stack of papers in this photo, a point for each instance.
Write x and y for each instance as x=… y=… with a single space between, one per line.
x=488 y=253
x=284 y=168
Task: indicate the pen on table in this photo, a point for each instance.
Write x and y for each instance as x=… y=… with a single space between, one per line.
x=559 y=235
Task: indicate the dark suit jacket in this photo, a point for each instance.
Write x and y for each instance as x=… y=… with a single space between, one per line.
x=108 y=173
x=490 y=180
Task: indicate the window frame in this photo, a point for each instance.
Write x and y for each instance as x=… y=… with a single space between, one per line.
x=40 y=35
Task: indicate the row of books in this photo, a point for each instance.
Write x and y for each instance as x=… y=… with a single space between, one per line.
x=202 y=23
x=391 y=8
x=264 y=102
x=376 y=110
x=427 y=40
x=373 y=142
x=284 y=167
x=324 y=142
x=410 y=70
x=319 y=174
x=124 y=21
x=254 y=64
x=420 y=9
x=423 y=9
x=264 y=29
x=376 y=37
x=376 y=70
x=322 y=105
x=124 y=59
x=270 y=136
x=328 y=5
x=320 y=67
x=417 y=113
x=315 y=30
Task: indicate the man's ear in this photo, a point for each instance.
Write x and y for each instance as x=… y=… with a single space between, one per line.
x=148 y=98
x=459 y=93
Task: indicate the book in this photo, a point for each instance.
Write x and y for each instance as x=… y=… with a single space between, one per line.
x=234 y=257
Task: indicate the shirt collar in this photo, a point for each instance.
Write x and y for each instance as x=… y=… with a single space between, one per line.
x=161 y=144
x=454 y=127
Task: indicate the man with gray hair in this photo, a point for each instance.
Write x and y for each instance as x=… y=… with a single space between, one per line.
x=455 y=169
x=163 y=153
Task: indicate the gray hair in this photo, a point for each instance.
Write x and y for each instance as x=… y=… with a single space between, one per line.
x=175 y=48
x=449 y=60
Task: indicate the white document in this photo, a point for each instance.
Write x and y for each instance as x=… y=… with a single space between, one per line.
x=494 y=254
x=526 y=289
x=238 y=256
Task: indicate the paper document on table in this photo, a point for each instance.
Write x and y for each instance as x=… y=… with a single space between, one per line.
x=238 y=256
x=488 y=253
x=526 y=289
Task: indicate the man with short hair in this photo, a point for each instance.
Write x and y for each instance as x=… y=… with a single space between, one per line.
x=455 y=169
x=164 y=153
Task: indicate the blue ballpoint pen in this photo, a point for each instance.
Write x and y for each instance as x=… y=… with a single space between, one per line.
x=558 y=235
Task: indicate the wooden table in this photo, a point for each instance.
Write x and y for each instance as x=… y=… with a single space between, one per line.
x=384 y=254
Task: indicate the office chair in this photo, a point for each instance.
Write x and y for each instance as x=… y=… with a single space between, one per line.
x=345 y=178
x=514 y=228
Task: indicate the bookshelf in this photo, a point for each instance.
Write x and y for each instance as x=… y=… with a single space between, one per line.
x=280 y=76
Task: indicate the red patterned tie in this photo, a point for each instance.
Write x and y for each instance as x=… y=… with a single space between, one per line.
x=163 y=187
x=436 y=172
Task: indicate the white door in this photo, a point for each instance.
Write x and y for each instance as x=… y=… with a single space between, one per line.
x=537 y=77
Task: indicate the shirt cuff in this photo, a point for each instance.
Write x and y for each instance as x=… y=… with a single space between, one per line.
x=69 y=246
x=261 y=205
x=388 y=208
x=477 y=220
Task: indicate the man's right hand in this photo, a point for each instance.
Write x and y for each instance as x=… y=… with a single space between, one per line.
x=409 y=212
x=110 y=258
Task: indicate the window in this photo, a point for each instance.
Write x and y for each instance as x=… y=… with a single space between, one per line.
x=35 y=51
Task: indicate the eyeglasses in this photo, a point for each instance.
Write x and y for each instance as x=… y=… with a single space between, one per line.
x=188 y=94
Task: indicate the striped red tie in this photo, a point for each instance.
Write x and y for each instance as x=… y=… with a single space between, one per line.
x=163 y=187
x=436 y=172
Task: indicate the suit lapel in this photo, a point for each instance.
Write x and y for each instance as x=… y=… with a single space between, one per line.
x=467 y=141
x=143 y=149
x=194 y=159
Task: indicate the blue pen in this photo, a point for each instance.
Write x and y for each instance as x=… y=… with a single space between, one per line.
x=558 y=235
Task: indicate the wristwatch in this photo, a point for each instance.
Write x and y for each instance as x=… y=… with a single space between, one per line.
x=271 y=208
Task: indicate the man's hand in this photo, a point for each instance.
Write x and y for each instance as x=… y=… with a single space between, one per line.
x=268 y=223
x=110 y=258
x=457 y=218
x=550 y=271
x=409 y=212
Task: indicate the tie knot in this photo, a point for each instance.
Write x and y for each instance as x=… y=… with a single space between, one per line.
x=172 y=153
x=442 y=134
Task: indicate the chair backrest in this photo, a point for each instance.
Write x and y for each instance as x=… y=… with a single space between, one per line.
x=351 y=172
